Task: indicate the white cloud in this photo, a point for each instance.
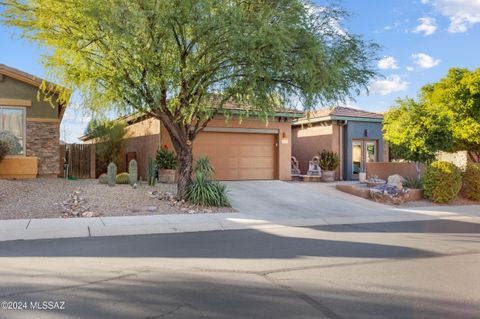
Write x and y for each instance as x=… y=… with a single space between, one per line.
x=425 y=61
x=463 y=14
x=390 y=84
x=73 y=124
x=388 y=63
x=424 y=1
x=410 y=68
x=427 y=26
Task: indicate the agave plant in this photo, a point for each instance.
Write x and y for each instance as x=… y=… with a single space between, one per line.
x=202 y=164
x=202 y=191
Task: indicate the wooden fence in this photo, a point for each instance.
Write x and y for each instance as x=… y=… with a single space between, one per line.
x=80 y=160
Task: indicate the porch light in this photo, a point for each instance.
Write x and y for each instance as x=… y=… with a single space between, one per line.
x=284 y=138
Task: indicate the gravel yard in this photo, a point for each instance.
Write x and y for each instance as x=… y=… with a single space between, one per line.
x=43 y=198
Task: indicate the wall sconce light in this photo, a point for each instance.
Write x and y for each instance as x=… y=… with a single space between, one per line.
x=365 y=133
x=284 y=138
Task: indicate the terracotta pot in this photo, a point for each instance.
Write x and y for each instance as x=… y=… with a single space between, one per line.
x=328 y=176
x=166 y=175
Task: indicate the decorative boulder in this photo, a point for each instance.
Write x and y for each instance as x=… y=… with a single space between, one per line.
x=396 y=180
x=389 y=194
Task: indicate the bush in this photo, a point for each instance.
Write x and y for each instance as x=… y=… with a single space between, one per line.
x=202 y=191
x=471 y=182
x=442 y=182
x=14 y=142
x=414 y=183
x=329 y=161
x=204 y=166
x=166 y=158
x=4 y=149
x=122 y=178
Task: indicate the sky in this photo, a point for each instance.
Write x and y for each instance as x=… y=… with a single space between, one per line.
x=420 y=40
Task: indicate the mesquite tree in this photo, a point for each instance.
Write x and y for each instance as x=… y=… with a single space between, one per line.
x=182 y=60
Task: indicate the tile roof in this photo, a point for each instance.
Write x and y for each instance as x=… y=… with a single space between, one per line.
x=345 y=111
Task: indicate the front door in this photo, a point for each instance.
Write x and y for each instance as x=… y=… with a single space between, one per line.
x=363 y=151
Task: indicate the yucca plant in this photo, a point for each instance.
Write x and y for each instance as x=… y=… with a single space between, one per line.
x=202 y=191
x=202 y=164
x=413 y=182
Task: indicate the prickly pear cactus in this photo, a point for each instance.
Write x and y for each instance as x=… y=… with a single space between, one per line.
x=133 y=172
x=112 y=174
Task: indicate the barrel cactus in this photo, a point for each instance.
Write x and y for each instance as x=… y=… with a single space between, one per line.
x=123 y=178
x=133 y=172
x=112 y=174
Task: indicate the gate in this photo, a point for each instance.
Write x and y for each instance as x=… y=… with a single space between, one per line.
x=78 y=160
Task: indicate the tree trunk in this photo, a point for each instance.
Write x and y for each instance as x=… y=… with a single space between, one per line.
x=417 y=167
x=185 y=166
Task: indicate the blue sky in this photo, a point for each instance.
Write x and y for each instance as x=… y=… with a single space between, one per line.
x=420 y=40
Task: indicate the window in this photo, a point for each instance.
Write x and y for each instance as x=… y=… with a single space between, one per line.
x=12 y=127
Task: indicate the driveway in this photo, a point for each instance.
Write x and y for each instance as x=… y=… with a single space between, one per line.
x=279 y=200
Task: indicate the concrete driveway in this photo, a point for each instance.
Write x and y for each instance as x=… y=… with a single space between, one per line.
x=278 y=200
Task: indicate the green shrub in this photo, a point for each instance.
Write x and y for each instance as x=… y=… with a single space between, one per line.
x=4 y=149
x=166 y=159
x=202 y=191
x=14 y=142
x=471 y=182
x=122 y=178
x=442 y=182
x=414 y=183
x=203 y=165
x=329 y=161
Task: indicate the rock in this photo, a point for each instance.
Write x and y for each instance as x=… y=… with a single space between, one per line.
x=153 y=194
x=396 y=180
x=134 y=186
x=149 y=209
x=208 y=211
x=192 y=211
x=389 y=194
x=89 y=214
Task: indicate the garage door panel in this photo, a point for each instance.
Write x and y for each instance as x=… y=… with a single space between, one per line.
x=237 y=156
x=256 y=174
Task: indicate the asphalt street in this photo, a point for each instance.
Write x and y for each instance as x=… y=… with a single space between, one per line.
x=421 y=269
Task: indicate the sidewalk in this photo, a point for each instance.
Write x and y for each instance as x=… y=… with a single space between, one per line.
x=27 y=229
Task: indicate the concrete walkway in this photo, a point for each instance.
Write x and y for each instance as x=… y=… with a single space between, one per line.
x=261 y=204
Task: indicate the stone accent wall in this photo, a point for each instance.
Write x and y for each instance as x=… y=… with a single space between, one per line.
x=43 y=140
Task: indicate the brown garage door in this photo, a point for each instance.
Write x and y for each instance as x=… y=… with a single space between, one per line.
x=238 y=156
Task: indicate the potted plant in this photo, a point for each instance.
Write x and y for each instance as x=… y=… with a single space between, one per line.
x=329 y=162
x=166 y=164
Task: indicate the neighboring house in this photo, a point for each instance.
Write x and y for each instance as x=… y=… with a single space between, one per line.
x=239 y=150
x=34 y=122
x=355 y=135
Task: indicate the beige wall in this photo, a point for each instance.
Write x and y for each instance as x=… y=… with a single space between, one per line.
x=383 y=170
x=284 y=150
x=308 y=141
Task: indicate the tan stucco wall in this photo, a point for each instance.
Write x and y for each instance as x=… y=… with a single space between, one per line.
x=14 y=89
x=383 y=170
x=309 y=140
x=284 y=150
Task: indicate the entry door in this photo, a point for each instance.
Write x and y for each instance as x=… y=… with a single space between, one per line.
x=363 y=151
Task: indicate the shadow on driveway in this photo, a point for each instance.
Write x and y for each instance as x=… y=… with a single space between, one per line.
x=238 y=244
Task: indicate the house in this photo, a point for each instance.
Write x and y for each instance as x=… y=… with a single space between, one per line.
x=245 y=149
x=355 y=135
x=33 y=118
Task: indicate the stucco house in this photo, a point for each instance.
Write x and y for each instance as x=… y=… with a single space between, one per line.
x=245 y=149
x=34 y=119
x=355 y=135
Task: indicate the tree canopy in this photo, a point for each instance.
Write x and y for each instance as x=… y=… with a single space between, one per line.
x=415 y=134
x=182 y=60
x=457 y=96
x=446 y=117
